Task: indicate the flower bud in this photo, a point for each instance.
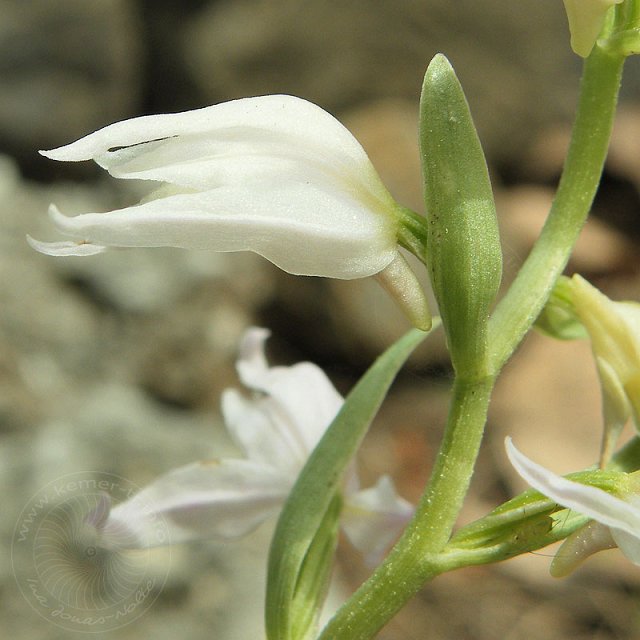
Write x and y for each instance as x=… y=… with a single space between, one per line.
x=558 y=319
x=586 y=19
x=614 y=329
x=576 y=309
x=463 y=245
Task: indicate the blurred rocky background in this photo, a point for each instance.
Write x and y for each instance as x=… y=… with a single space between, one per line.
x=115 y=363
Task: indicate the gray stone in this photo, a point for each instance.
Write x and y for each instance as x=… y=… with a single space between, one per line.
x=513 y=59
x=66 y=68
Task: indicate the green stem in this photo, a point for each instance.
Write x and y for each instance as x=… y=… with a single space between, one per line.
x=412 y=232
x=408 y=565
x=412 y=562
x=521 y=305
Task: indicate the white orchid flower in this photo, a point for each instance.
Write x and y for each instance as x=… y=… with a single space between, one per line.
x=586 y=19
x=275 y=175
x=616 y=520
x=276 y=429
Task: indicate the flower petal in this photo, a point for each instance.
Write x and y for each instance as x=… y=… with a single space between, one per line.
x=252 y=365
x=614 y=328
x=300 y=227
x=615 y=408
x=263 y=433
x=373 y=518
x=230 y=143
x=590 y=501
x=218 y=499
x=207 y=161
x=97 y=517
x=302 y=397
x=287 y=117
x=65 y=248
x=629 y=544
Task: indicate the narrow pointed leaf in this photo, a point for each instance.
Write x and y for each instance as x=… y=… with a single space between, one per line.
x=309 y=506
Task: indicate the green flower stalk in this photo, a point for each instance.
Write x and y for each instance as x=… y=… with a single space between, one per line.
x=420 y=554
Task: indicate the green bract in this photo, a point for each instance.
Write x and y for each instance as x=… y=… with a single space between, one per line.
x=463 y=245
x=302 y=547
x=559 y=318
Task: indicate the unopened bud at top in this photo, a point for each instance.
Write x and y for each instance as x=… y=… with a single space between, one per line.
x=586 y=19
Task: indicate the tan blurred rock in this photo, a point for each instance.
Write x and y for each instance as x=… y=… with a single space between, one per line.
x=522 y=212
x=624 y=151
x=68 y=68
x=512 y=58
x=548 y=401
x=543 y=160
x=388 y=131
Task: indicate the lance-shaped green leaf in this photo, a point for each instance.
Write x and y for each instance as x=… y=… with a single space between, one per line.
x=314 y=573
x=463 y=245
x=302 y=547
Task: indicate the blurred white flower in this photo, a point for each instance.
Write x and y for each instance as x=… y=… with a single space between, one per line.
x=586 y=19
x=276 y=428
x=616 y=521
